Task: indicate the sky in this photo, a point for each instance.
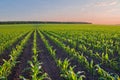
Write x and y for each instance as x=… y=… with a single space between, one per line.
x=95 y=11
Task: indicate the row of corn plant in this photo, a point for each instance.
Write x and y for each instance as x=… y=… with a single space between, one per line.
x=89 y=66
x=8 y=43
x=6 y=68
x=35 y=65
x=67 y=71
x=6 y=36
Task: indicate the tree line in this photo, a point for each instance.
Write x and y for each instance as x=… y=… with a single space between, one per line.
x=41 y=22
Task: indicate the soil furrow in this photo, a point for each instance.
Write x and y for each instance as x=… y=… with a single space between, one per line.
x=48 y=63
x=21 y=67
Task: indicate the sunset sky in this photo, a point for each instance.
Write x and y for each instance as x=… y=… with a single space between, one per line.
x=95 y=11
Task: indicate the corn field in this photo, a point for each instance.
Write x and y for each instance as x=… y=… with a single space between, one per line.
x=59 y=52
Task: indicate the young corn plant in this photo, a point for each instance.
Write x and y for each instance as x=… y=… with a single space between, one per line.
x=36 y=69
x=75 y=76
x=104 y=75
x=68 y=72
x=105 y=58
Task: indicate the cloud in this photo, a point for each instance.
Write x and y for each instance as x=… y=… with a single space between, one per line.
x=107 y=3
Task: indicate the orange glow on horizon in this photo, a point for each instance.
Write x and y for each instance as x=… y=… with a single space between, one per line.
x=94 y=21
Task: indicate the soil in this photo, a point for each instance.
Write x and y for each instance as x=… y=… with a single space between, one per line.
x=20 y=68
x=48 y=63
